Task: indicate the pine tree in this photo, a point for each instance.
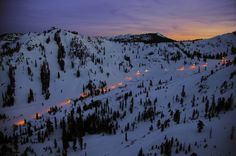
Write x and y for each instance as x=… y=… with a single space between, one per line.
x=30 y=96
x=81 y=142
x=210 y=135
x=47 y=94
x=74 y=143
x=126 y=137
x=193 y=101
x=177 y=116
x=37 y=116
x=64 y=140
x=72 y=65
x=78 y=73
x=206 y=106
x=232 y=133
x=49 y=126
x=48 y=40
x=35 y=64
x=29 y=71
x=189 y=148
x=55 y=143
x=183 y=94
x=200 y=126
x=140 y=153
x=16 y=143
x=61 y=63
x=58 y=75
x=167 y=148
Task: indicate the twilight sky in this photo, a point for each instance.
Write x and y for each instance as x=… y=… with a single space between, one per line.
x=178 y=19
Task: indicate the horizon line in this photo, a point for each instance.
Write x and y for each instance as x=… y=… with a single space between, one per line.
x=173 y=37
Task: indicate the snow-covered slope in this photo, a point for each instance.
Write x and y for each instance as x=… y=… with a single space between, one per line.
x=115 y=98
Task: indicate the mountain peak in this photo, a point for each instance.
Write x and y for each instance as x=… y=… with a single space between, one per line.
x=145 y=38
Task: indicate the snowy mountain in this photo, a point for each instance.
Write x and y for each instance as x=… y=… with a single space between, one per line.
x=69 y=94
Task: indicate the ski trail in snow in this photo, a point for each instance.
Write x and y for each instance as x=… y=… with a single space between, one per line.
x=111 y=87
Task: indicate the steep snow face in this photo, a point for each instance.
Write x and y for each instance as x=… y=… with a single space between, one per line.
x=160 y=91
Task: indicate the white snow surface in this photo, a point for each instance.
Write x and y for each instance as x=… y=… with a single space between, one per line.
x=152 y=63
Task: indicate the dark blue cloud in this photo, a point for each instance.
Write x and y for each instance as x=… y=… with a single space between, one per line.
x=109 y=17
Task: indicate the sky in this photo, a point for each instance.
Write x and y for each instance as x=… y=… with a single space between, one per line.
x=177 y=19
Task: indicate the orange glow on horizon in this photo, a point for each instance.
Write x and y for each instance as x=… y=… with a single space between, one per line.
x=190 y=37
x=194 y=31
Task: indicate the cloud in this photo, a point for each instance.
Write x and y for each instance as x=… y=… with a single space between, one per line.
x=109 y=17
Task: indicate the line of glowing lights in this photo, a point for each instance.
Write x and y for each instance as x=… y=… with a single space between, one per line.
x=83 y=95
x=192 y=67
x=114 y=86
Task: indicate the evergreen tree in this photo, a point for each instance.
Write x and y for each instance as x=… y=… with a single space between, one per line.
x=65 y=142
x=206 y=106
x=61 y=63
x=126 y=137
x=232 y=133
x=49 y=126
x=200 y=126
x=58 y=75
x=183 y=94
x=30 y=96
x=167 y=148
x=48 y=40
x=15 y=142
x=177 y=116
x=55 y=143
x=74 y=143
x=140 y=153
x=81 y=142
x=78 y=73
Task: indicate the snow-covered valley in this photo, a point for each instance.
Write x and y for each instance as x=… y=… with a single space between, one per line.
x=68 y=94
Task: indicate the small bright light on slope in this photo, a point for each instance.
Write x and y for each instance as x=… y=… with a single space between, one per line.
x=128 y=78
x=180 y=69
x=192 y=67
x=137 y=73
x=20 y=122
x=205 y=65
